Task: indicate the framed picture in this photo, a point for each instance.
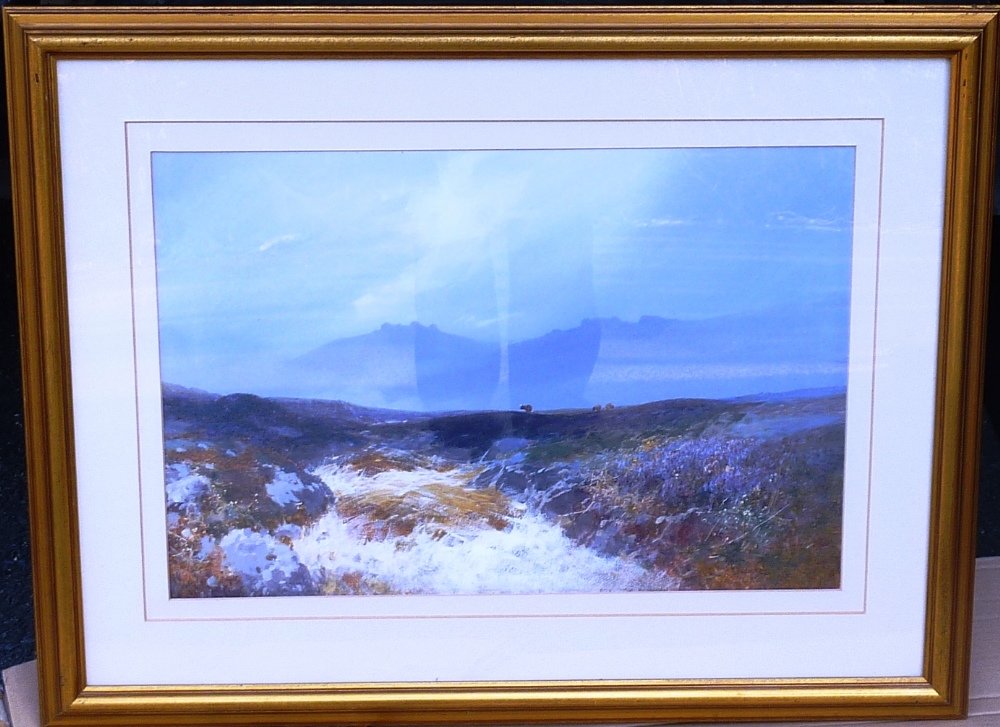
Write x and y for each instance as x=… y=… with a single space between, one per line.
x=501 y=365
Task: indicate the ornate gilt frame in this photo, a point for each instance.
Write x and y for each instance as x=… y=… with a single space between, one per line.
x=37 y=39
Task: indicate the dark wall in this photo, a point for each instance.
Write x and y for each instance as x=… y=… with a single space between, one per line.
x=16 y=627
x=17 y=637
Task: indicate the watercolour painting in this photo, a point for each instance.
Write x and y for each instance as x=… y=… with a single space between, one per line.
x=503 y=371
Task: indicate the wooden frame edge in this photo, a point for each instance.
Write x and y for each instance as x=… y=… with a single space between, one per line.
x=961 y=354
x=45 y=361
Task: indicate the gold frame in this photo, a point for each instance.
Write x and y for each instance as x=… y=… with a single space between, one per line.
x=37 y=38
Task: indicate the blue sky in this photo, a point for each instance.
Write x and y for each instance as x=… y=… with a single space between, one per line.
x=262 y=257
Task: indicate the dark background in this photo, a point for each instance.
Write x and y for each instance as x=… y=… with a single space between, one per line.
x=17 y=643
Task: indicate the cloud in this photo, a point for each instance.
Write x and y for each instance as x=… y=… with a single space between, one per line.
x=803 y=222
x=279 y=240
x=663 y=222
x=625 y=372
x=469 y=201
x=392 y=301
x=450 y=230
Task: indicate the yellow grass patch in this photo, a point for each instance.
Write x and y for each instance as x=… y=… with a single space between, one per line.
x=391 y=513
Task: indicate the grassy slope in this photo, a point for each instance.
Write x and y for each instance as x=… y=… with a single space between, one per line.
x=716 y=494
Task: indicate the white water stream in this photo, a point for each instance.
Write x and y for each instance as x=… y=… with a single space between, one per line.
x=455 y=550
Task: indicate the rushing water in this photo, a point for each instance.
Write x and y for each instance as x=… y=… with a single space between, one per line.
x=426 y=530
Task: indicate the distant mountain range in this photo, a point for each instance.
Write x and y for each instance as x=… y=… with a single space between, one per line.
x=422 y=368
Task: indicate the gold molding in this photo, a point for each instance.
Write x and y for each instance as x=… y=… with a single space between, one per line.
x=37 y=38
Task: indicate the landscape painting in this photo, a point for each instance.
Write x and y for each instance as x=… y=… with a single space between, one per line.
x=467 y=372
